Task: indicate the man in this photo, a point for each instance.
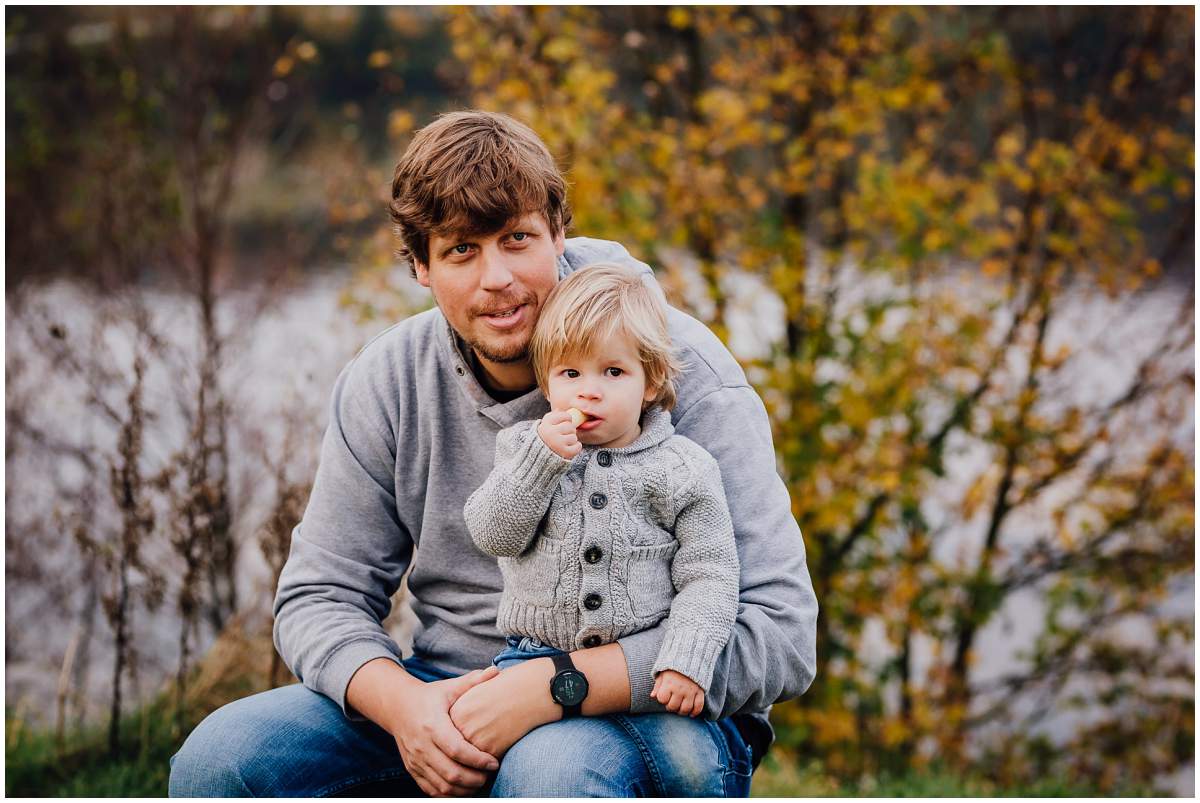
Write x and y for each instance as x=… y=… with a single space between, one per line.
x=481 y=212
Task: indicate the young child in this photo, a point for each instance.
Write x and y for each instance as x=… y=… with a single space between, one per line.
x=609 y=526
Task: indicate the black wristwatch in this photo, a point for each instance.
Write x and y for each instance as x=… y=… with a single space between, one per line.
x=569 y=686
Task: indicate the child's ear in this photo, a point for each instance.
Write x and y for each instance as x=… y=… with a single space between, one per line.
x=650 y=395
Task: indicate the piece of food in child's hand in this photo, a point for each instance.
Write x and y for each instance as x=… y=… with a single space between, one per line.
x=577 y=416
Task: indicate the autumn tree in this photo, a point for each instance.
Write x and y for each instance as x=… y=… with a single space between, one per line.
x=931 y=198
x=149 y=116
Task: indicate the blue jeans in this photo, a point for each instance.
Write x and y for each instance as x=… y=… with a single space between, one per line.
x=294 y=742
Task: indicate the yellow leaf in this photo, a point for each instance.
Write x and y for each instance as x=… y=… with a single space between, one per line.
x=992 y=268
x=399 y=123
x=894 y=731
x=890 y=481
x=933 y=240
x=561 y=48
x=978 y=491
x=679 y=17
x=306 y=51
x=1009 y=145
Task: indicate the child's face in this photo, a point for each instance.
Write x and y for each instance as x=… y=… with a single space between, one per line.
x=609 y=386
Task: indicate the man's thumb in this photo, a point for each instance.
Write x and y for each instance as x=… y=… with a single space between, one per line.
x=458 y=686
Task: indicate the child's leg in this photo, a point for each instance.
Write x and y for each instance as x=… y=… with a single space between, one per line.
x=522 y=648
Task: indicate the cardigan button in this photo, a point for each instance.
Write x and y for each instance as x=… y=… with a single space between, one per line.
x=593 y=554
x=591 y=641
x=599 y=500
x=592 y=602
x=604 y=459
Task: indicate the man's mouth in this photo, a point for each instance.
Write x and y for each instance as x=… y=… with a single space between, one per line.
x=504 y=318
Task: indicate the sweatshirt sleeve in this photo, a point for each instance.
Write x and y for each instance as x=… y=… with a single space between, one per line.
x=350 y=550
x=502 y=515
x=771 y=654
x=705 y=573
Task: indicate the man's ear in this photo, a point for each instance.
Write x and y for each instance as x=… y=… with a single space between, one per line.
x=422 y=271
x=560 y=241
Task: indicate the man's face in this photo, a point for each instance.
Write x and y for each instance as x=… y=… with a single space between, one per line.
x=491 y=288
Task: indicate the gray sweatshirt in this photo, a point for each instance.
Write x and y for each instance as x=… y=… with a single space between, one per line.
x=412 y=433
x=606 y=544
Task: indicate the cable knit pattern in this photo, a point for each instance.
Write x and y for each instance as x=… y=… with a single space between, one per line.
x=593 y=551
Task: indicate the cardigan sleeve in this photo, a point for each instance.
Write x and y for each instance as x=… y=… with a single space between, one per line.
x=704 y=573
x=502 y=514
x=771 y=653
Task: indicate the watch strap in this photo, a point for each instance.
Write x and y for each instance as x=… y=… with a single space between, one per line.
x=563 y=663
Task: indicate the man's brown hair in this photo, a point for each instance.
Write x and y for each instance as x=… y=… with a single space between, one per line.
x=471 y=173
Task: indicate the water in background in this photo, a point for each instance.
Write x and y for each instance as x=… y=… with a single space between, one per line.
x=288 y=356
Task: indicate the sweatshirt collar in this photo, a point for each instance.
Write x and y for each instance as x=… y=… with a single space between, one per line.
x=531 y=405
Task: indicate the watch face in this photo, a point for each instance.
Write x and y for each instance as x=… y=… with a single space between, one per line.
x=569 y=687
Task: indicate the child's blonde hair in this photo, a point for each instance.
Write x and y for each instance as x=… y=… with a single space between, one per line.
x=592 y=305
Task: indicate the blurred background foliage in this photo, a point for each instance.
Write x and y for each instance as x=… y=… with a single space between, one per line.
x=912 y=226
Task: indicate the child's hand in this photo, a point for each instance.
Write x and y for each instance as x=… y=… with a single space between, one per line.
x=558 y=433
x=678 y=693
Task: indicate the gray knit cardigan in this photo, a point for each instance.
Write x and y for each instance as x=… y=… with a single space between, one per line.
x=611 y=542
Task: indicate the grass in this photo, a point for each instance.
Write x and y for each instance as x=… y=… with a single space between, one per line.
x=81 y=767
x=779 y=776
x=35 y=766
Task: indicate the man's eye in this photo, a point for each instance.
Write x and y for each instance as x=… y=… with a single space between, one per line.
x=519 y=236
x=615 y=372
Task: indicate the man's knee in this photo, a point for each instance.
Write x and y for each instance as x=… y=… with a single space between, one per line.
x=210 y=764
x=252 y=746
x=623 y=756
x=572 y=758
x=689 y=757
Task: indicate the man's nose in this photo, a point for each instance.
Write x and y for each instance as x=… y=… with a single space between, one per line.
x=494 y=272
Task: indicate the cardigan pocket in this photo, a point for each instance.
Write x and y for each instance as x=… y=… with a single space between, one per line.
x=533 y=576
x=650 y=588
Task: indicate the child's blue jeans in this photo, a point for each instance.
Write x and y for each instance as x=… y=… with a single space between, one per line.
x=295 y=742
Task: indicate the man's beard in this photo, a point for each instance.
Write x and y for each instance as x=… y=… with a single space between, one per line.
x=515 y=353
x=510 y=354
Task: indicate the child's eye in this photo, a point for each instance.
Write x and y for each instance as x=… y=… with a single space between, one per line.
x=570 y=373
x=614 y=371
